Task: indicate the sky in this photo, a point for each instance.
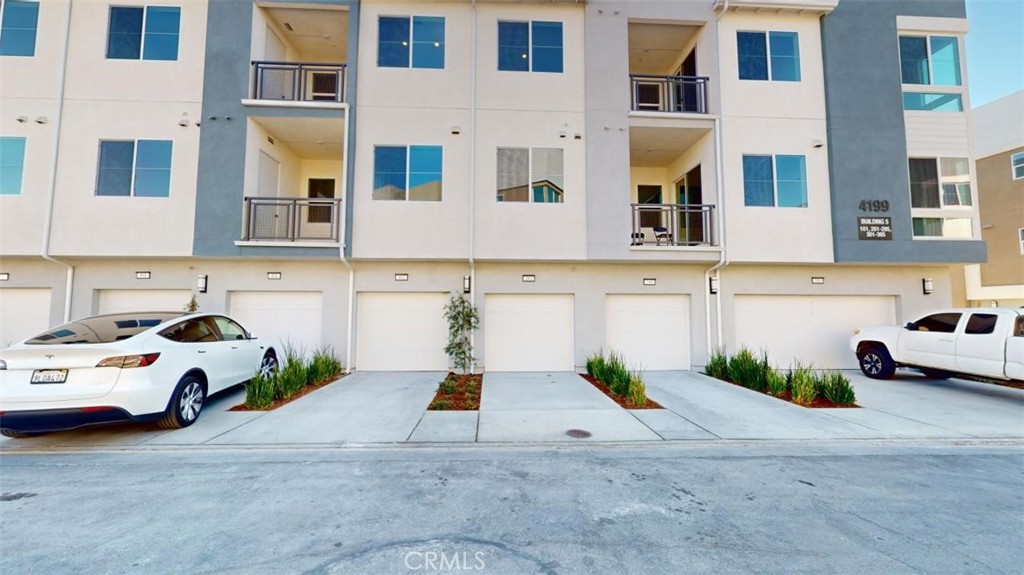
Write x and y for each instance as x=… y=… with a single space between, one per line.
x=995 y=49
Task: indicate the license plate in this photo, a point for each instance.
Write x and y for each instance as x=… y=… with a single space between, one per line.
x=49 y=376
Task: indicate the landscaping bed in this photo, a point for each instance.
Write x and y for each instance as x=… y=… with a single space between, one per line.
x=800 y=385
x=458 y=392
x=296 y=377
x=625 y=387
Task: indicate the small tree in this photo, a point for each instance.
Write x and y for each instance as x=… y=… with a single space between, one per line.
x=192 y=306
x=462 y=319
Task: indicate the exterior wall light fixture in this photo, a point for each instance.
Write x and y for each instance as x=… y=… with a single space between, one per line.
x=927 y=285
x=201 y=283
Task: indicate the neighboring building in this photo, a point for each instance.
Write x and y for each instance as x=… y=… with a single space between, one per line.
x=999 y=150
x=661 y=178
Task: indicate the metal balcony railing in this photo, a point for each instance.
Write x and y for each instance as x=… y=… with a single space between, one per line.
x=672 y=225
x=298 y=81
x=683 y=94
x=292 y=219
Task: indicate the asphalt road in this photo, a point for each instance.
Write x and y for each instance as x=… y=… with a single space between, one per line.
x=849 y=507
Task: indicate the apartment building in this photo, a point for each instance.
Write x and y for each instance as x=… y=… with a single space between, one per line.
x=999 y=149
x=659 y=178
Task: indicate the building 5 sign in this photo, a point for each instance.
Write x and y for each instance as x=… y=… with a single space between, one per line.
x=874 y=228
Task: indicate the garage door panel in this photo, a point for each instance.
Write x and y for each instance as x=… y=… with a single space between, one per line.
x=24 y=312
x=528 y=332
x=810 y=329
x=281 y=318
x=401 y=332
x=649 y=331
x=134 y=300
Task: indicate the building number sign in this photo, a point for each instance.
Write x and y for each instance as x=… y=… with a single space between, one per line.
x=874 y=227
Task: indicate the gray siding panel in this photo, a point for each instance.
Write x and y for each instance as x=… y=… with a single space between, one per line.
x=219 y=192
x=866 y=131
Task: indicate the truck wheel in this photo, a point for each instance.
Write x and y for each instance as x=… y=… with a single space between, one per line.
x=936 y=373
x=876 y=363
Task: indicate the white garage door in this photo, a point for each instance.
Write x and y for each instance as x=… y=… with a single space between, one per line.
x=281 y=318
x=24 y=312
x=811 y=329
x=528 y=332
x=130 y=300
x=649 y=331
x=401 y=332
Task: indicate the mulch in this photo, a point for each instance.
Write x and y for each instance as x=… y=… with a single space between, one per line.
x=279 y=402
x=623 y=402
x=462 y=399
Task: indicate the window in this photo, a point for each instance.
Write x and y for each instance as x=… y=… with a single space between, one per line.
x=940 y=183
x=1017 y=165
x=930 y=60
x=943 y=228
x=939 y=322
x=928 y=102
x=229 y=330
x=12 y=165
x=18 y=21
x=530 y=46
x=407 y=173
x=769 y=56
x=198 y=330
x=981 y=324
x=421 y=37
x=779 y=181
x=535 y=175
x=150 y=33
x=139 y=168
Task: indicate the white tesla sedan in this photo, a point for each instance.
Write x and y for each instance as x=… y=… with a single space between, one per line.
x=156 y=366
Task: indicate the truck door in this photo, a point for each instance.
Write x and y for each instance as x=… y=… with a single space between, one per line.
x=1015 y=351
x=981 y=346
x=931 y=341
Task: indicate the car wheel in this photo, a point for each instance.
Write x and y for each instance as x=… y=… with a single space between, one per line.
x=876 y=363
x=16 y=434
x=936 y=373
x=268 y=366
x=186 y=403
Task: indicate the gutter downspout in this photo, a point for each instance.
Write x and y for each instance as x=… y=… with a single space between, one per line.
x=349 y=330
x=472 y=181
x=723 y=257
x=48 y=222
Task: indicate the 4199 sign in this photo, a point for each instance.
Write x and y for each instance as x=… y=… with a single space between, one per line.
x=874 y=205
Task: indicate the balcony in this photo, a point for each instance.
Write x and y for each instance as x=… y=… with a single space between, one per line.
x=672 y=225
x=298 y=82
x=292 y=220
x=672 y=94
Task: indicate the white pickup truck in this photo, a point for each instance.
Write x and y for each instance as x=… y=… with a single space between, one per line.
x=987 y=342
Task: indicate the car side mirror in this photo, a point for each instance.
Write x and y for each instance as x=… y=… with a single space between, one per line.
x=911 y=326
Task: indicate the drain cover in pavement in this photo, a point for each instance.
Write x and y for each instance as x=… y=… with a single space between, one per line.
x=578 y=433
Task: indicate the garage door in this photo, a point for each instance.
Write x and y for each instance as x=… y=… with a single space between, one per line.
x=811 y=329
x=528 y=332
x=129 y=300
x=281 y=317
x=24 y=312
x=401 y=332
x=649 y=331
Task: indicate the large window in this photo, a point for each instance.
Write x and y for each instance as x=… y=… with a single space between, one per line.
x=12 y=165
x=940 y=183
x=530 y=46
x=769 y=56
x=779 y=181
x=140 y=168
x=930 y=60
x=149 y=33
x=410 y=173
x=930 y=102
x=535 y=175
x=1017 y=165
x=416 y=42
x=18 y=21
